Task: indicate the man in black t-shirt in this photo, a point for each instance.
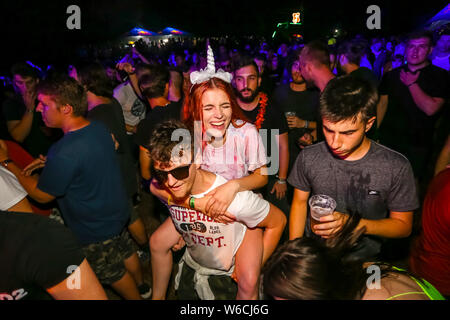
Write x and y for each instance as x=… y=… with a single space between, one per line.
x=267 y=83
x=315 y=68
x=158 y=114
x=349 y=60
x=24 y=124
x=315 y=65
x=296 y=97
x=38 y=255
x=104 y=108
x=411 y=101
x=155 y=88
x=270 y=121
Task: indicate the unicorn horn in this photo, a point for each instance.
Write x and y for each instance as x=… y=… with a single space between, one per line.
x=211 y=67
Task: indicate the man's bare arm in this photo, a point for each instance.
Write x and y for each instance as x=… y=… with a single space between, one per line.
x=398 y=225
x=297 y=216
x=20 y=129
x=429 y=105
x=90 y=288
x=29 y=183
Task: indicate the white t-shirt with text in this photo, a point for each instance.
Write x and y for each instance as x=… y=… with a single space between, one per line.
x=213 y=244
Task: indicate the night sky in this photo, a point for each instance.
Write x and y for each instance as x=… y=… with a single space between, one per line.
x=38 y=28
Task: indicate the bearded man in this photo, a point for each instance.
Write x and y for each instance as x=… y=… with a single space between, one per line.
x=296 y=97
x=257 y=107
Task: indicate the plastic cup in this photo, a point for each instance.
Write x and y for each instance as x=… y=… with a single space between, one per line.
x=290 y=114
x=320 y=205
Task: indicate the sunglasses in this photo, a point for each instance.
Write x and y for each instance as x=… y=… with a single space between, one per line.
x=179 y=173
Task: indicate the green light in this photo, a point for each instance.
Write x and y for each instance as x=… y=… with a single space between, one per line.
x=273 y=36
x=283 y=24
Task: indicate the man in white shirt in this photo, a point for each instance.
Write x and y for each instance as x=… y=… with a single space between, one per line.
x=211 y=245
x=13 y=196
x=132 y=106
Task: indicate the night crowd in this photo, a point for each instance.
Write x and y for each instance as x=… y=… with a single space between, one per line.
x=230 y=138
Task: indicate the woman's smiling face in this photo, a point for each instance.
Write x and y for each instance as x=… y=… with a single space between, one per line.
x=216 y=109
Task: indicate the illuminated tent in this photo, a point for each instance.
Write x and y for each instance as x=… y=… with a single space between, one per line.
x=136 y=32
x=173 y=31
x=140 y=34
x=440 y=19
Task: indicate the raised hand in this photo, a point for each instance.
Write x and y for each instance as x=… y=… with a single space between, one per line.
x=408 y=78
x=125 y=66
x=29 y=99
x=36 y=164
x=221 y=198
x=207 y=202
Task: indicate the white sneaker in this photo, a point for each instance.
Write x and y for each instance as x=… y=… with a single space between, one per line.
x=145 y=291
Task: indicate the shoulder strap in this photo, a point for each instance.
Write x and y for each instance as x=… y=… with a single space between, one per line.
x=428 y=288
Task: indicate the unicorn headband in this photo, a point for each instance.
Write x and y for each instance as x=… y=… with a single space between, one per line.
x=210 y=71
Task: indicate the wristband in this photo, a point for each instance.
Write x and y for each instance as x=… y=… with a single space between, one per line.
x=409 y=85
x=192 y=203
x=281 y=181
x=306 y=124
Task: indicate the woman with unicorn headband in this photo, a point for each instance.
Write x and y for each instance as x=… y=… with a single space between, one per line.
x=231 y=147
